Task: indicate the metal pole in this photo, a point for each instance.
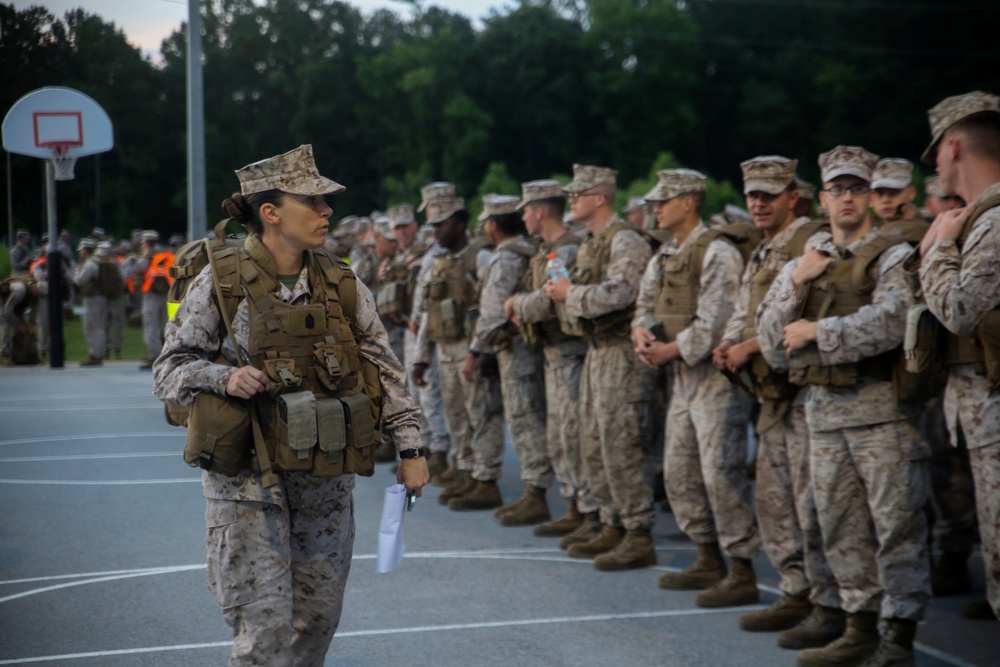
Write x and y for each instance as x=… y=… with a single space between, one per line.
x=57 y=344
x=196 y=126
x=10 y=207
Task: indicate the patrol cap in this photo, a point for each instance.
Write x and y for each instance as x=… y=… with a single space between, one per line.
x=104 y=248
x=177 y=239
x=433 y=191
x=86 y=243
x=400 y=215
x=634 y=204
x=586 y=176
x=768 y=173
x=933 y=187
x=150 y=236
x=847 y=161
x=45 y=238
x=23 y=233
x=674 y=183
x=494 y=204
x=97 y=231
x=361 y=224
x=345 y=225
x=950 y=110
x=442 y=208
x=383 y=228
x=892 y=172
x=537 y=190
x=124 y=247
x=807 y=190
x=294 y=172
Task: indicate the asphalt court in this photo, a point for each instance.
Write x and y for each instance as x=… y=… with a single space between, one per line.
x=102 y=562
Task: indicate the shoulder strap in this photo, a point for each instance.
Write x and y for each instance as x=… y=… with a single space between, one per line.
x=977 y=212
x=797 y=243
x=862 y=271
x=343 y=280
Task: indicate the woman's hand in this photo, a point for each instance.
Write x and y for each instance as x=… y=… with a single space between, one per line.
x=247 y=382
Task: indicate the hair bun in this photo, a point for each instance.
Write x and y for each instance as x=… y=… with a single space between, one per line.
x=237 y=208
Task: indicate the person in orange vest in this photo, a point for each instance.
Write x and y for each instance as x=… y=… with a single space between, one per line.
x=152 y=271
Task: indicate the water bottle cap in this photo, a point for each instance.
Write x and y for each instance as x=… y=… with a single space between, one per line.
x=552 y=255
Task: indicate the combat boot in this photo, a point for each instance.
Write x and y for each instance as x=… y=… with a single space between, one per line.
x=858 y=643
x=786 y=612
x=704 y=573
x=529 y=510
x=980 y=610
x=96 y=361
x=385 y=452
x=951 y=574
x=437 y=464
x=146 y=365
x=896 y=647
x=635 y=551
x=589 y=527
x=606 y=540
x=563 y=525
x=447 y=477
x=484 y=495
x=462 y=483
x=738 y=588
x=824 y=625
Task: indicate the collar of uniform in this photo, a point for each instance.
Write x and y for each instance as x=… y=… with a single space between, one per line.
x=988 y=192
x=259 y=254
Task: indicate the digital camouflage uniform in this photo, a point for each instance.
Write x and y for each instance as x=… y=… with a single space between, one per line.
x=521 y=378
x=614 y=389
x=95 y=307
x=278 y=558
x=40 y=274
x=706 y=430
x=154 y=309
x=960 y=287
x=868 y=463
x=786 y=509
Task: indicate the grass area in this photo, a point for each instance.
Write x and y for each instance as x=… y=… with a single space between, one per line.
x=76 y=344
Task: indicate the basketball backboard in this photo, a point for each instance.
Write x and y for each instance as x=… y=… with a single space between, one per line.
x=57 y=118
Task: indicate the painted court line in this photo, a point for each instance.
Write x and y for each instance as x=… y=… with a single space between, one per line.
x=87 y=457
x=94 y=436
x=107 y=482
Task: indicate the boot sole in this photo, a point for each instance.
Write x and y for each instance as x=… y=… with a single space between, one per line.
x=693 y=586
x=547 y=531
x=777 y=626
x=505 y=520
x=735 y=602
x=646 y=561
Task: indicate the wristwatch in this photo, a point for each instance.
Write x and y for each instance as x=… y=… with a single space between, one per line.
x=412 y=453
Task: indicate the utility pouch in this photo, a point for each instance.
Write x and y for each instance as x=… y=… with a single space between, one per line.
x=281 y=372
x=296 y=430
x=391 y=299
x=328 y=368
x=988 y=333
x=219 y=435
x=331 y=430
x=920 y=373
x=452 y=323
x=569 y=324
x=436 y=290
x=359 y=456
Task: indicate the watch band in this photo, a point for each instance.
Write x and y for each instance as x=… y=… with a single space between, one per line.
x=411 y=453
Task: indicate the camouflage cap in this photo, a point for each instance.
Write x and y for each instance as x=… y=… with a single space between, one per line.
x=400 y=215
x=383 y=228
x=97 y=231
x=634 y=204
x=442 y=208
x=293 y=172
x=587 y=176
x=892 y=172
x=23 y=234
x=536 y=190
x=950 y=110
x=150 y=235
x=433 y=191
x=847 y=161
x=494 y=204
x=345 y=225
x=104 y=248
x=362 y=224
x=86 y=243
x=768 y=173
x=177 y=239
x=807 y=190
x=933 y=187
x=674 y=183
x=425 y=235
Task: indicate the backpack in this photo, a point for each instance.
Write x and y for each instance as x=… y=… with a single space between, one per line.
x=192 y=258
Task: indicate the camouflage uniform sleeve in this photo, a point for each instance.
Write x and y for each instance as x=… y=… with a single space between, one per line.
x=138 y=267
x=41 y=278
x=878 y=327
x=399 y=415
x=778 y=309
x=502 y=277
x=191 y=340
x=720 y=279
x=738 y=320
x=424 y=349
x=646 y=299
x=961 y=289
x=85 y=273
x=537 y=306
x=618 y=290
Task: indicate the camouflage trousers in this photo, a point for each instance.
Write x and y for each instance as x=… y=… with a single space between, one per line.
x=154 y=318
x=279 y=576
x=95 y=315
x=614 y=421
x=705 y=460
x=871 y=489
x=786 y=511
x=986 y=473
x=522 y=386
x=433 y=429
x=473 y=412
x=116 y=323
x=952 y=492
x=563 y=365
x=658 y=404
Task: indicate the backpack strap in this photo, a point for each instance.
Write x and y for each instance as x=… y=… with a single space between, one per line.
x=977 y=212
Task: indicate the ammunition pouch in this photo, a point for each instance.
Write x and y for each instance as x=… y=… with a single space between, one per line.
x=391 y=300
x=921 y=372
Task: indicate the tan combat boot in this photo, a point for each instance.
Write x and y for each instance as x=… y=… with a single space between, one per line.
x=635 y=551
x=529 y=510
x=823 y=625
x=485 y=495
x=738 y=588
x=606 y=540
x=563 y=525
x=97 y=361
x=461 y=483
x=437 y=464
x=858 y=643
x=704 y=573
x=786 y=612
x=896 y=647
x=589 y=527
x=146 y=365
x=447 y=477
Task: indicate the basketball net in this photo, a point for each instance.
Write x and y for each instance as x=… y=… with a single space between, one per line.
x=62 y=162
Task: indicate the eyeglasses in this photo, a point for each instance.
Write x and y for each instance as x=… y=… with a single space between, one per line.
x=573 y=196
x=840 y=190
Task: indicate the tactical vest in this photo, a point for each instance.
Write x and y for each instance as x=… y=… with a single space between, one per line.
x=158 y=279
x=679 y=277
x=395 y=298
x=844 y=288
x=502 y=337
x=323 y=410
x=595 y=253
x=109 y=278
x=547 y=332
x=91 y=287
x=451 y=295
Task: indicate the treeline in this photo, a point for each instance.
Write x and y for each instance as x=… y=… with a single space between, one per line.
x=392 y=102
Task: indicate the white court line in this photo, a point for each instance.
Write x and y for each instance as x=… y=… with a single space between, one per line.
x=66 y=397
x=86 y=457
x=108 y=482
x=77 y=408
x=93 y=436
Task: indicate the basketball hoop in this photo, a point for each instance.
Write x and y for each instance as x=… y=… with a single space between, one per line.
x=62 y=162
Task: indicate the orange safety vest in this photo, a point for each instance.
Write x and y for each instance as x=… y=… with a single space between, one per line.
x=159 y=267
x=40 y=260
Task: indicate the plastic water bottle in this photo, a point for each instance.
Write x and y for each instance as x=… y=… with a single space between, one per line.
x=556 y=267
